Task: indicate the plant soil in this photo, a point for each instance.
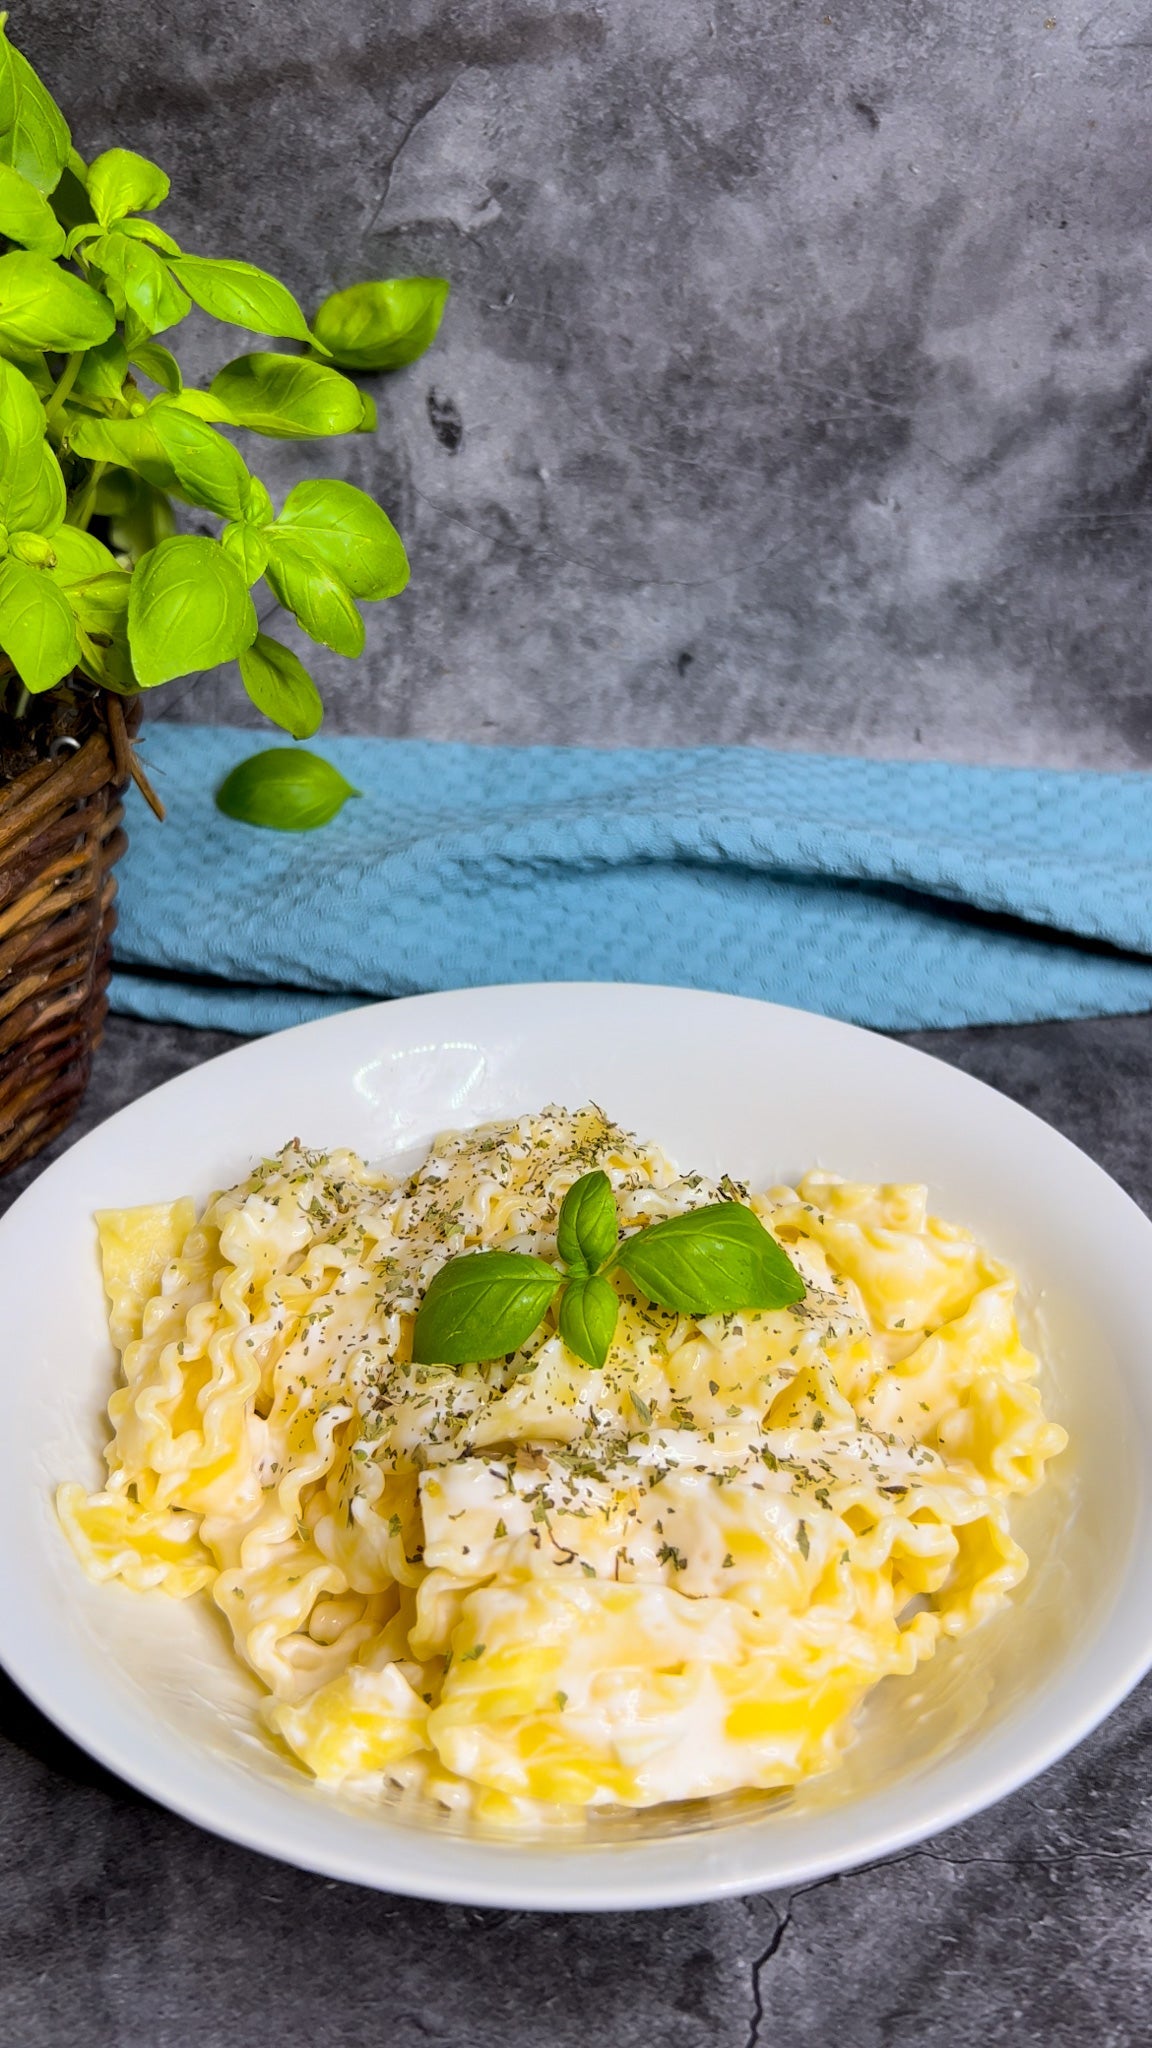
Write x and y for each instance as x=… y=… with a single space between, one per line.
x=71 y=712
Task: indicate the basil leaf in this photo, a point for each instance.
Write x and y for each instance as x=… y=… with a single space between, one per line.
x=25 y=215
x=241 y=295
x=31 y=485
x=349 y=532
x=285 y=789
x=139 y=516
x=318 y=599
x=34 y=136
x=100 y=610
x=189 y=609
x=589 y=1307
x=207 y=469
x=280 y=686
x=102 y=372
x=121 y=182
x=712 y=1261
x=42 y=306
x=287 y=397
x=172 y=449
x=36 y=629
x=37 y=498
x=79 y=554
x=159 y=364
x=138 y=283
x=480 y=1306
x=588 y=1228
x=147 y=231
x=69 y=201
x=34 y=548
x=248 y=547
x=383 y=324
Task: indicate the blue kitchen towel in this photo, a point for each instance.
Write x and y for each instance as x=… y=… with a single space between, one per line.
x=895 y=894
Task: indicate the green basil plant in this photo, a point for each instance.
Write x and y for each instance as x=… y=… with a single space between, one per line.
x=715 y=1260
x=100 y=437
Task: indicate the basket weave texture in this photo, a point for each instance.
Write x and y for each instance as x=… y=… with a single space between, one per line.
x=60 y=835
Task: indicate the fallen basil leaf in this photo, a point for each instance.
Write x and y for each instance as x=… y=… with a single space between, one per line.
x=589 y=1307
x=284 y=789
x=480 y=1306
x=280 y=686
x=712 y=1261
x=588 y=1227
x=382 y=324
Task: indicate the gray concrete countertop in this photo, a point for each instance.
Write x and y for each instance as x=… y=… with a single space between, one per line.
x=122 y=1926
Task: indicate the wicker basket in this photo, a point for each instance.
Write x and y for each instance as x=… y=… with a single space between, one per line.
x=60 y=834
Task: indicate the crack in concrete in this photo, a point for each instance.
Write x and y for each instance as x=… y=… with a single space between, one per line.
x=784 y=1920
x=760 y=1963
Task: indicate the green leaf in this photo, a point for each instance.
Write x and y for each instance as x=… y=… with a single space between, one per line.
x=288 y=398
x=121 y=182
x=36 y=629
x=36 y=501
x=281 y=687
x=147 y=231
x=317 y=598
x=79 y=555
x=349 y=532
x=159 y=364
x=70 y=202
x=203 y=405
x=102 y=373
x=34 y=136
x=480 y=1306
x=189 y=609
x=242 y=295
x=139 y=284
x=248 y=547
x=258 y=508
x=208 y=470
x=285 y=789
x=139 y=516
x=588 y=1228
x=33 y=548
x=712 y=1261
x=42 y=306
x=100 y=609
x=589 y=1307
x=381 y=325
x=172 y=450
x=25 y=215
x=32 y=496
x=22 y=432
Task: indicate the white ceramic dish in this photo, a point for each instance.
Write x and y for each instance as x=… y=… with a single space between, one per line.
x=149 y=1686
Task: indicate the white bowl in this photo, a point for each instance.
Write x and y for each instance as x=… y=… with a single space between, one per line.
x=150 y=1687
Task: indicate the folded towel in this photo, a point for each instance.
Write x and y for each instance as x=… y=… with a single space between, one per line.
x=895 y=894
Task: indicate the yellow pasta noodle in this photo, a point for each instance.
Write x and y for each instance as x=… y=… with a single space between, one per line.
x=532 y=1586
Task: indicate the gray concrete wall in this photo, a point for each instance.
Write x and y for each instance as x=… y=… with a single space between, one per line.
x=801 y=351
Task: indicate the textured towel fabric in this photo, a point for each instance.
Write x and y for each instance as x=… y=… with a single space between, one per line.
x=895 y=894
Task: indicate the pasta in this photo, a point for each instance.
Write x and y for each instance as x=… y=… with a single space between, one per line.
x=530 y=1586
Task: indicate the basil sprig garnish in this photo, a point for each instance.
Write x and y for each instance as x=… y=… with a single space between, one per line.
x=711 y=1261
